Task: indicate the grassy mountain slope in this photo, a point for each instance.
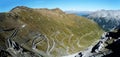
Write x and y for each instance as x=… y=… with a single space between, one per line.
x=69 y=33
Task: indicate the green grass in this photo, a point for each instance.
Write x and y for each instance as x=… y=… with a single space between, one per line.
x=61 y=26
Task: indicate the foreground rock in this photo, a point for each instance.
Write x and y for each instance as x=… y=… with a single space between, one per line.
x=107 y=46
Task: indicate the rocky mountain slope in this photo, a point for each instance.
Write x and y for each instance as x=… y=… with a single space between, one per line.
x=107 y=46
x=27 y=32
x=107 y=19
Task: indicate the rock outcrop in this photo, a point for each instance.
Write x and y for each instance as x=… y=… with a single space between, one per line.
x=107 y=46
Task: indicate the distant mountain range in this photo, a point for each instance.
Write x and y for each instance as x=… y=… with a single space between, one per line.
x=107 y=19
x=79 y=13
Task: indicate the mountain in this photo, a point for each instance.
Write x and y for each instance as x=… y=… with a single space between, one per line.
x=107 y=19
x=28 y=32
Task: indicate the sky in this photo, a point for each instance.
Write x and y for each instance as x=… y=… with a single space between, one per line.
x=65 y=5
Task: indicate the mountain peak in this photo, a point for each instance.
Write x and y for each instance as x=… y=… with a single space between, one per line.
x=21 y=7
x=58 y=10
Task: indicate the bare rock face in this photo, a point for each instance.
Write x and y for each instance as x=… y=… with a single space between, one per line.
x=107 y=46
x=4 y=53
